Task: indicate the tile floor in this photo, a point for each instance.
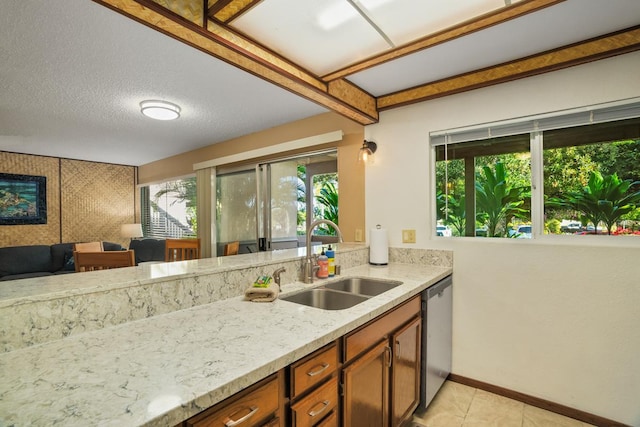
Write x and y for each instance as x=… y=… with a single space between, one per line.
x=458 y=405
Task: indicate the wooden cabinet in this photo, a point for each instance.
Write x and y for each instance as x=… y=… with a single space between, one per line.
x=405 y=371
x=314 y=388
x=366 y=389
x=381 y=375
x=376 y=367
x=259 y=405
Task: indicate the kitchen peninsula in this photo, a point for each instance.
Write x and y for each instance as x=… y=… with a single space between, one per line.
x=181 y=339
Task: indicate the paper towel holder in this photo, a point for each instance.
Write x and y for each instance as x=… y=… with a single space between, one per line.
x=379 y=247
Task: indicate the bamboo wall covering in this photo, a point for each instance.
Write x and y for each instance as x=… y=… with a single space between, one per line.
x=86 y=201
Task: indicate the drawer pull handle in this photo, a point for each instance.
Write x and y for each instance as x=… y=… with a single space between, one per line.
x=325 y=405
x=323 y=368
x=232 y=423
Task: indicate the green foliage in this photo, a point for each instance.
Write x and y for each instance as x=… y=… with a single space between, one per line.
x=567 y=169
x=497 y=200
x=604 y=199
x=328 y=200
x=517 y=164
x=452 y=212
x=553 y=226
x=302 y=199
x=450 y=174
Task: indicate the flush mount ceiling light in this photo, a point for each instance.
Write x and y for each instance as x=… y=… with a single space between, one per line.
x=160 y=110
x=366 y=151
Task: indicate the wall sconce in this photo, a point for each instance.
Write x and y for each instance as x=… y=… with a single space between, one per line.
x=131 y=230
x=365 y=154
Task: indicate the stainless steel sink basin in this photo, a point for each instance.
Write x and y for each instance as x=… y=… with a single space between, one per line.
x=363 y=285
x=343 y=293
x=326 y=299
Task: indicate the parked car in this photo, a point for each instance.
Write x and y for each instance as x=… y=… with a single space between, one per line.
x=571 y=227
x=482 y=231
x=443 y=230
x=523 y=232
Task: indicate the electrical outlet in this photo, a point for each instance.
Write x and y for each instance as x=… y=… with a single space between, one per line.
x=358 y=237
x=408 y=236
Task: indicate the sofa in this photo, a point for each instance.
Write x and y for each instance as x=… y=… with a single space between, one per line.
x=22 y=262
x=147 y=250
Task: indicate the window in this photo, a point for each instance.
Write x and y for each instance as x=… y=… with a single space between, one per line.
x=571 y=173
x=496 y=173
x=600 y=158
x=169 y=209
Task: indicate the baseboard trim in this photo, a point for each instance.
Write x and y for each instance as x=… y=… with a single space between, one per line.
x=537 y=402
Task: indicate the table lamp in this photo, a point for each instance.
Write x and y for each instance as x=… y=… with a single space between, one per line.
x=131 y=231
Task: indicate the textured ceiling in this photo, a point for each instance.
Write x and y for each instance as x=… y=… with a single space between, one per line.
x=73 y=72
x=73 y=89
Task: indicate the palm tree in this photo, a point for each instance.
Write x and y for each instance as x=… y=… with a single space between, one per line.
x=497 y=200
x=604 y=199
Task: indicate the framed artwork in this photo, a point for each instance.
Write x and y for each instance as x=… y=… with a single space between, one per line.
x=23 y=199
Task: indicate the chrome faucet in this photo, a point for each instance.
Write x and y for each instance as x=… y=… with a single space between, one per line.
x=276 y=276
x=310 y=265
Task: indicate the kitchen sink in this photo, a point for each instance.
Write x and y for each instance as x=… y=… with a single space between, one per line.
x=326 y=299
x=363 y=285
x=343 y=293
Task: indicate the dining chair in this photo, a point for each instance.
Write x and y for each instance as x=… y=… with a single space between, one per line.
x=181 y=249
x=90 y=261
x=231 y=248
x=89 y=247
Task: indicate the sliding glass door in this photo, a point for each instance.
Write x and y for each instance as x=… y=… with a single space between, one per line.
x=265 y=208
x=279 y=205
x=236 y=203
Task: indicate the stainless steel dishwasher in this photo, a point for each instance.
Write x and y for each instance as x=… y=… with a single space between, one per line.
x=436 y=338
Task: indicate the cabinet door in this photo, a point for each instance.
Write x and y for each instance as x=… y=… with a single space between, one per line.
x=405 y=372
x=366 y=388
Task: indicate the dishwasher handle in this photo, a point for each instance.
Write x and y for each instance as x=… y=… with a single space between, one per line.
x=439 y=287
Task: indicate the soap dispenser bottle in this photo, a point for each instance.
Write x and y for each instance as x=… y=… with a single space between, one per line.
x=331 y=255
x=323 y=265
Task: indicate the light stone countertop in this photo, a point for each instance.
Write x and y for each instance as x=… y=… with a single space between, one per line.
x=44 y=288
x=161 y=370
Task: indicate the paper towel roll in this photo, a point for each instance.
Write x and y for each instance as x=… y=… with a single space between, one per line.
x=378 y=246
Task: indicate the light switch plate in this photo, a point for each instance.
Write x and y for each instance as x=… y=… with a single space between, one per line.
x=408 y=236
x=358 y=237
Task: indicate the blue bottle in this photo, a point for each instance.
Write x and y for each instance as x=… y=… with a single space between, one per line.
x=331 y=255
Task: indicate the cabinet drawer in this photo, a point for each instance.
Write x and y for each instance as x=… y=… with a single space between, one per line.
x=330 y=421
x=370 y=334
x=253 y=407
x=313 y=369
x=313 y=408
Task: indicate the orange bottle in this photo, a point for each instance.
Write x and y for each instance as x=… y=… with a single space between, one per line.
x=323 y=265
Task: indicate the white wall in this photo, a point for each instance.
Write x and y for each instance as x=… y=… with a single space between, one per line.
x=559 y=320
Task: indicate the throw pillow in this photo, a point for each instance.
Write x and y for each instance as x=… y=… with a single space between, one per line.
x=69 y=263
